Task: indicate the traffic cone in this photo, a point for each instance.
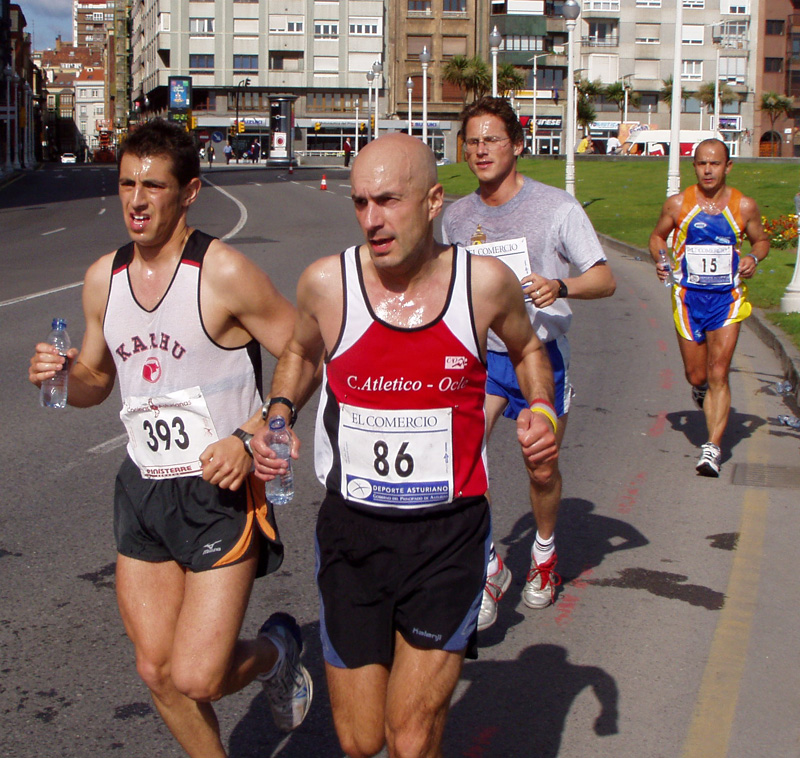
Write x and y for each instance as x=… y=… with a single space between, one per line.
x=324 y=183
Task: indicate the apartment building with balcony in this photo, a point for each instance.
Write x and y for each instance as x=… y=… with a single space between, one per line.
x=91 y=21
x=244 y=56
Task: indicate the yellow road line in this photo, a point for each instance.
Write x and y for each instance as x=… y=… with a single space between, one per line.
x=715 y=708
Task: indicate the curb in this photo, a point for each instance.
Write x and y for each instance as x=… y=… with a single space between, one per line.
x=768 y=333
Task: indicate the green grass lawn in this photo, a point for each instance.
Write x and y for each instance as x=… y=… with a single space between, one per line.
x=624 y=197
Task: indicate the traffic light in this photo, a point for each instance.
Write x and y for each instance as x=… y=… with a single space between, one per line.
x=372 y=122
x=317 y=126
x=194 y=122
x=361 y=126
x=531 y=126
x=231 y=131
x=241 y=127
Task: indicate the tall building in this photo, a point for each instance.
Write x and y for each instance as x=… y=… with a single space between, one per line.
x=91 y=20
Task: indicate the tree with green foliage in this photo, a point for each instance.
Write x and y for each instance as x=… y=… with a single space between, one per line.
x=706 y=94
x=455 y=73
x=775 y=105
x=470 y=75
x=615 y=92
x=585 y=110
x=509 y=79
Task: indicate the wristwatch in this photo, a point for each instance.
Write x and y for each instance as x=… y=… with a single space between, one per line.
x=245 y=437
x=284 y=401
x=562 y=289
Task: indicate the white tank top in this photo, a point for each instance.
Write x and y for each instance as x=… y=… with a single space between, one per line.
x=181 y=391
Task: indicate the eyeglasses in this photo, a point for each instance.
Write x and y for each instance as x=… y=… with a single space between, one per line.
x=490 y=143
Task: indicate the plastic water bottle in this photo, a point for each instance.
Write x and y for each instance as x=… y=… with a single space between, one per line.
x=281 y=489
x=664 y=266
x=54 y=391
x=790 y=421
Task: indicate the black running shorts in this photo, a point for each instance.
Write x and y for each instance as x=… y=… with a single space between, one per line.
x=422 y=577
x=194 y=523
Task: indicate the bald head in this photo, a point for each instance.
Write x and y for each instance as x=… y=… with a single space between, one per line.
x=398 y=156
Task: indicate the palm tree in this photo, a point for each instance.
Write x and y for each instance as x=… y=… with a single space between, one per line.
x=455 y=73
x=615 y=92
x=509 y=79
x=707 y=95
x=477 y=79
x=775 y=106
x=666 y=91
x=586 y=114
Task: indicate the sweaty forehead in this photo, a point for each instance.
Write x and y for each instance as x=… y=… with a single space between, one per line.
x=386 y=173
x=486 y=124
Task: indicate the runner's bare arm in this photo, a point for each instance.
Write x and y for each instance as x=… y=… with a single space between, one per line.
x=758 y=238
x=596 y=282
x=92 y=373
x=319 y=302
x=498 y=300
x=239 y=302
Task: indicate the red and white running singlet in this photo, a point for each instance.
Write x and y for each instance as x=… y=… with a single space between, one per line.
x=181 y=391
x=400 y=425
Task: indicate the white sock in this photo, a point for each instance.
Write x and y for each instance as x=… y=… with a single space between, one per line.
x=281 y=655
x=543 y=549
x=494 y=562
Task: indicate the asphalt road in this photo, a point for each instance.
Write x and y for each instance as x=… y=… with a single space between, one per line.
x=675 y=629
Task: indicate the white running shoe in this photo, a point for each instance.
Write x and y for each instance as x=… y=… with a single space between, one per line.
x=709 y=462
x=540 y=587
x=290 y=689
x=494 y=589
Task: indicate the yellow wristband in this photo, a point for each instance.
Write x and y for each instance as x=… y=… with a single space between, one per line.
x=543 y=407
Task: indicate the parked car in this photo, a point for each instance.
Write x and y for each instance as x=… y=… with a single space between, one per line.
x=68 y=158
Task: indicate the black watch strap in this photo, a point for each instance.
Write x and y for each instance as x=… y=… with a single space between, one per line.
x=562 y=289
x=245 y=437
x=284 y=401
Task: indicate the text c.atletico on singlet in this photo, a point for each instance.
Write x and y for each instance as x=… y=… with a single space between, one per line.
x=181 y=391
x=400 y=425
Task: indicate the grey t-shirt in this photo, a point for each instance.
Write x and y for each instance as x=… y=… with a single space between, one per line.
x=558 y=233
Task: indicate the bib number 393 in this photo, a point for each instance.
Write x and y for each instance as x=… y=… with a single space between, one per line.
x=167 y=434
x=396 y=459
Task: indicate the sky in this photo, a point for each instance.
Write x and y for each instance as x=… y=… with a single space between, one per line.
x=46 y=19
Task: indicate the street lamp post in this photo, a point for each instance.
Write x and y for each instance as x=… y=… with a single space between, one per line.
x=355 y=146
x=409 y=87
x=626 y=85
x=571 y=10
x=370 y=78
x=8 y=72
x=377 y=69
x=534 y=145
x=425 y=59
x=494 y=46
x=674 y=164
x=790 y=302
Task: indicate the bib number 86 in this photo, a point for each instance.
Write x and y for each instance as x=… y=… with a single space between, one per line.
x=162 y=433
x=403 y=462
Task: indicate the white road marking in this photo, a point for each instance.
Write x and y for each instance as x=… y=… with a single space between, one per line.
x=108 y=445
x=54 y=231
x=39 y=294
x=101 y=211
x=242 y=210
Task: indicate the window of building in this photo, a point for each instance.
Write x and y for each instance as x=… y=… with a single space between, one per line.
x=454 y=46
x=286 y=24
x=455 y=6
x=775 y=26
x=419 y=6
x=691 y=71
x=245 y=64
x=201 y=61
x=99 y=110
x=648 y=34
x=773 y=65
x=326 y=30
x=692 y=34
x=734 y=107
x=97 y=16
x=201 y=26
x=245 y=27
x=282 y=60
x=84 y=111
x=523 y=43
x=90 y=38
x=694 y=4
x=648 y=3
x=602 y=34
x=648 y=102
x=733 y=70
x=602 y=5
x=245 y=1
x=647 y=69
x=736 y=7
x=326 y=63
x=416 y=43
x=691 y=105
x=366 y=26
x=163 y=22
x=109 y=16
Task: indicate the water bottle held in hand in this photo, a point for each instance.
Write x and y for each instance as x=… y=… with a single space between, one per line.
x=53 y=393
x=664 y=266
x=281 y=489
